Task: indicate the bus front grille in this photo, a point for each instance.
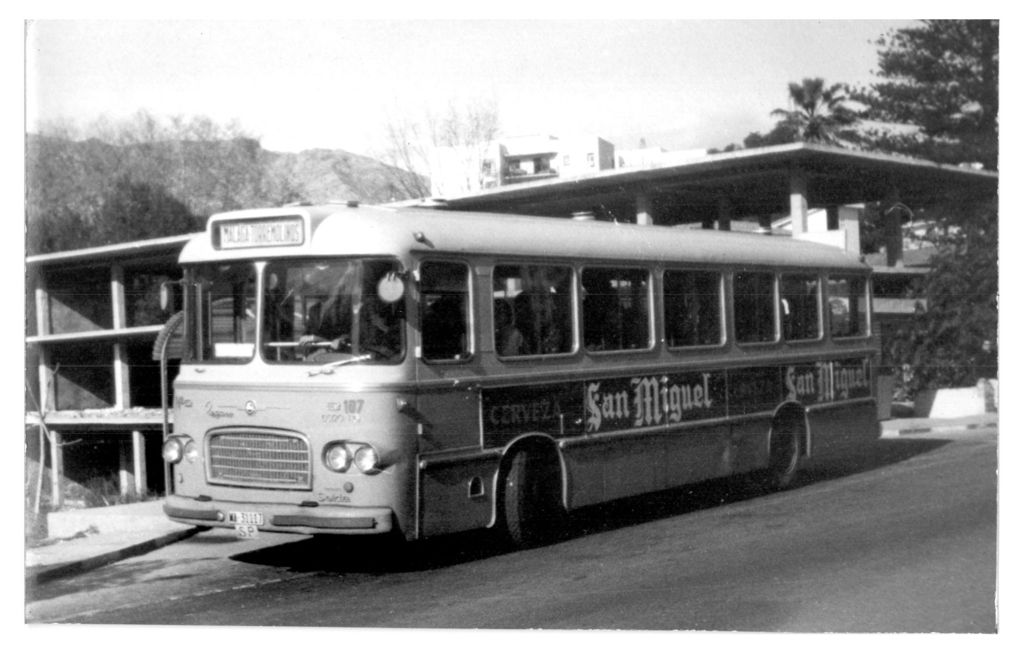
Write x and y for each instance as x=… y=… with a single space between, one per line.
x=263 y=459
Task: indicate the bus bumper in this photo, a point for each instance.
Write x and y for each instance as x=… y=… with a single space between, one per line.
x=288 y=518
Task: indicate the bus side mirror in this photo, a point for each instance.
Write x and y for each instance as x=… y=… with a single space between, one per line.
x=391 y=288
x=168 y=291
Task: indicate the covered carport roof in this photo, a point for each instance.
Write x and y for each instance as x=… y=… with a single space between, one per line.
x=755 y=182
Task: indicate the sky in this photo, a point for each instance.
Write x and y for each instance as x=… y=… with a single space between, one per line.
x=679 y=84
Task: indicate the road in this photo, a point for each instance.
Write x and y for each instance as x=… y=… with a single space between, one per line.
x=902 y=539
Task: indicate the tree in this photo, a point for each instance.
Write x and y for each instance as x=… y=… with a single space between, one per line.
x=941 y=77
x=818 y=113
x=136 y=210
x=943 y=346
x=452 y=145
x=781 y=134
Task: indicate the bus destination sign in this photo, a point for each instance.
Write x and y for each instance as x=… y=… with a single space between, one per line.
x=260 y=233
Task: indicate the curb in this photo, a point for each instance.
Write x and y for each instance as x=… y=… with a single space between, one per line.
x=44 y=574
x=931 y=429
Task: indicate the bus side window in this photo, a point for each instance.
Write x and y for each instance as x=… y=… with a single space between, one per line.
x=754 y=306
x=616 y=309
x=800 y=307
x=693 y=308
x=847 y=306
x=444 y=310
x=540 y=299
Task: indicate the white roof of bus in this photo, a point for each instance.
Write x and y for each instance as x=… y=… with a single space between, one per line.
x=368 y=230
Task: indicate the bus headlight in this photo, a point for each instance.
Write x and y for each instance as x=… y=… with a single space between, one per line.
x=336 y=457
x=174 y=448
x=367 y=460
x=191 y=451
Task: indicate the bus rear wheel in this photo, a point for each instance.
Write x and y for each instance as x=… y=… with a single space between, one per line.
x=783 y=456
x=531 y=504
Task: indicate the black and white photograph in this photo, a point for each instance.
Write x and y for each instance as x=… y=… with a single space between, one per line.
x=566 y=325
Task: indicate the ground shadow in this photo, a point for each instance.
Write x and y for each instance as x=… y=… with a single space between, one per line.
x=379 y=555
x=110 y=576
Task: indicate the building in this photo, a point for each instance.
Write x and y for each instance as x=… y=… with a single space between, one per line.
x=655 y=157
x=458 y=170
x=93 y=389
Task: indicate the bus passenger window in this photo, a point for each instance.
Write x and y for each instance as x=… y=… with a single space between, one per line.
x=693 y=308
x=800 y=307
x=616 y=313
x=444 y=310
x=754 y=307
x=532 y=310
x=847 y=306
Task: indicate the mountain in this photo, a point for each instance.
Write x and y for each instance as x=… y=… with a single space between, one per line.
x=88 y=193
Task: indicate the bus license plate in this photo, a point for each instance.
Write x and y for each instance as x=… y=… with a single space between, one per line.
x=247 y=523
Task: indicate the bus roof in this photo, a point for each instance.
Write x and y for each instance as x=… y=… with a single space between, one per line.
x=332 y=230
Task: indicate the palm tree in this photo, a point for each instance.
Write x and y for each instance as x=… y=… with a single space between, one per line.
x=818 y=114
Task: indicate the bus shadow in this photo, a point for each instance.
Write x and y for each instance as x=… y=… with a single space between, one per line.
x=376 y=555
x=380 y=555
x=719 y=492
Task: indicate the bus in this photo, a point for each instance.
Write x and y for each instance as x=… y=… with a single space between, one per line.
x=354 y=370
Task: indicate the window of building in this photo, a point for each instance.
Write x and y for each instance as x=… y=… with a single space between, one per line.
x=444 y=310
x=567 y=160
x=616 y=309
x=532 y=310
x=801 y=312
x=590 y=159
x=693 y=308
x=754 y=306
x=847 y=306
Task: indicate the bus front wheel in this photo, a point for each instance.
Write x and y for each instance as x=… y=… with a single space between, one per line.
x=531 y=499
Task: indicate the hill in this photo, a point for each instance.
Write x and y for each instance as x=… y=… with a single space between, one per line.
x=89 y=193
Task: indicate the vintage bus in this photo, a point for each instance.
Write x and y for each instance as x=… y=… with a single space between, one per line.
x=362 y=370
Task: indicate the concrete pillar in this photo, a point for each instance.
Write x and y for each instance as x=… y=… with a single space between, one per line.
x=122 y=395
x=849 y=222
x=892 y=228
x=724 y=214
x=46 y=378
x=56 y=469
x=798 y=201
x=125 y=478
x=139 y=463
x=644 y=212
x=132 y=468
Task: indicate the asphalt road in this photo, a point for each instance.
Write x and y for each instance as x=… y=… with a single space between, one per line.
x=901 y=539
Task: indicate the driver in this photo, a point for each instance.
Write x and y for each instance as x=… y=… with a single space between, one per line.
x=376 y=330
x=330 y=322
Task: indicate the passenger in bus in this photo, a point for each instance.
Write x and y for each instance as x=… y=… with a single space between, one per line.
x=379 y=327
x=523 y=321
x=508 y=338
x=444 y=328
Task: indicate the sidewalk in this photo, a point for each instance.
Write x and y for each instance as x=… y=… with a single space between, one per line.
x=911 y=426
x=85 y=539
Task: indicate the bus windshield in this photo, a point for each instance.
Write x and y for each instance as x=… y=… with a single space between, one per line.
x=333 y=310
x=221 y=311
